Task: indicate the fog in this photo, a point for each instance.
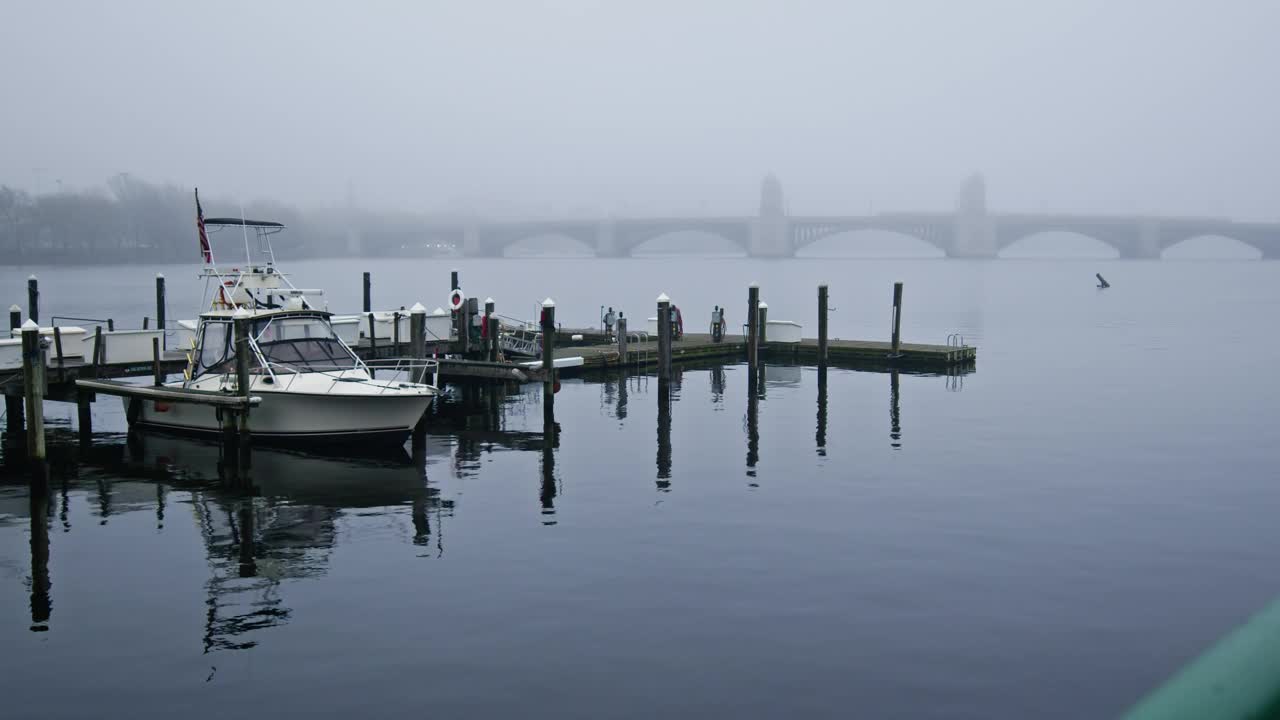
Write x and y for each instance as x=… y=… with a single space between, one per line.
x=524 y=109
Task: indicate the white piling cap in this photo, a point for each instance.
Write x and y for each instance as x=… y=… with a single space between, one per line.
x=762 y=304
x=159 y=276
x=30 y=325
x=31 y=277
x=663 y=298
x=417 y=309
x=754 y=285
x=548 y=303
x=488 y=301
x=438 y=311
x=14 y=308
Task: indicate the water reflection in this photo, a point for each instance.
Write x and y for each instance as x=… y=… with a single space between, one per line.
x=820 y=438
x=266 y=516
x=755 y=390
x=41 y=586
x=664 y=435
x=895 y=412
x=550 y=441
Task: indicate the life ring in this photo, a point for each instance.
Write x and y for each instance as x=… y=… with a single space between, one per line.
x=456 y=298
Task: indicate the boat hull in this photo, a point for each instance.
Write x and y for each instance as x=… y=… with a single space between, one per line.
x=299 y=419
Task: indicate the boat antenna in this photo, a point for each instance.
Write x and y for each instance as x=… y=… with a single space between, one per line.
x=244 y=228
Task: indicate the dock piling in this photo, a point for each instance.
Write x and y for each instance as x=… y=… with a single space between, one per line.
x=13 y=403
x=490 y=330
x=548 y=336
x=494 y=329
x=158 y=375
x=417 y=340
x=897 y=319
x=764 y=322
x=146 y=321
x=395 y=332
x=368 y=292
x=84 y=416
x=160 y=309
x=57 y=346
x=33 y=299
x=822 y=325
x=33 y=388
x=664 y=337
x=373 y=342
x=97 y=351
x=548 y=361
x=753 y=324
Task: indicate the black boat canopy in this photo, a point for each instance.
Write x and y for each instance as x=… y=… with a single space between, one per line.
x=247 y=223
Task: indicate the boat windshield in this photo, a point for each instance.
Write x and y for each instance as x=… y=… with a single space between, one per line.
x=302 y=344
x=298 y=344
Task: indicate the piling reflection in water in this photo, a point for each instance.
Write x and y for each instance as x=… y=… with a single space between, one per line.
x=754 y=393
x=664 y=435
x=41 y=586
x=895 y=414
x=266 y=516
x=820 y=438
x=550 y=440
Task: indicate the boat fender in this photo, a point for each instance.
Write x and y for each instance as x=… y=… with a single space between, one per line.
x=456 y=298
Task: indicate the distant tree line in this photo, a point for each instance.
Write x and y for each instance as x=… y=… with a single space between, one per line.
x=132 y=220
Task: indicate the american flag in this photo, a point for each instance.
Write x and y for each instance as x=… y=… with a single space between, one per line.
x=205 y=250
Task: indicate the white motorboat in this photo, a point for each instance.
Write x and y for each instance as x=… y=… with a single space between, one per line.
x=312 y=386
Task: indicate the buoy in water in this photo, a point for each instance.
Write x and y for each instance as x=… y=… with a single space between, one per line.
x=1102 y=282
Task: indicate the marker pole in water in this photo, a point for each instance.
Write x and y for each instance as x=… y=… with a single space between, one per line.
x=368 y=293
x=753 y=324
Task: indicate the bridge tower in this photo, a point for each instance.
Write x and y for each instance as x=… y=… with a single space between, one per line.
x=975 y=234
x=771 y=231
x=471 y=239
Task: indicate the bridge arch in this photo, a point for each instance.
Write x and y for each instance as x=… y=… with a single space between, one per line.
x=732 y=237
x=1209 y=246
x=677 y=241
x=554 y=243
x=1056 y=243
x=868 y=242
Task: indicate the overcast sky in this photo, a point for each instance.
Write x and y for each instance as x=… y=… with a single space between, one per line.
x=580 y=108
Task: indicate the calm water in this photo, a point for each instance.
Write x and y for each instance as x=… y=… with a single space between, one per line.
x=1048 y=537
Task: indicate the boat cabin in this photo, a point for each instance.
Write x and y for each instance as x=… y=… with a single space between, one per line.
x=282 y=341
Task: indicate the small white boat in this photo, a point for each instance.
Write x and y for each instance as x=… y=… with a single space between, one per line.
x=312 y=386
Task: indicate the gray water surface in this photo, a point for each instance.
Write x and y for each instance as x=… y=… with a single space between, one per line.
x=1051 y=536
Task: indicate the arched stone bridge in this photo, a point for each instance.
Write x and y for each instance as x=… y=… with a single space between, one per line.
x=1131 y=236
x=970 y=231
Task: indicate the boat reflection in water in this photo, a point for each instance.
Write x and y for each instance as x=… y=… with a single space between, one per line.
x=277 y=519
